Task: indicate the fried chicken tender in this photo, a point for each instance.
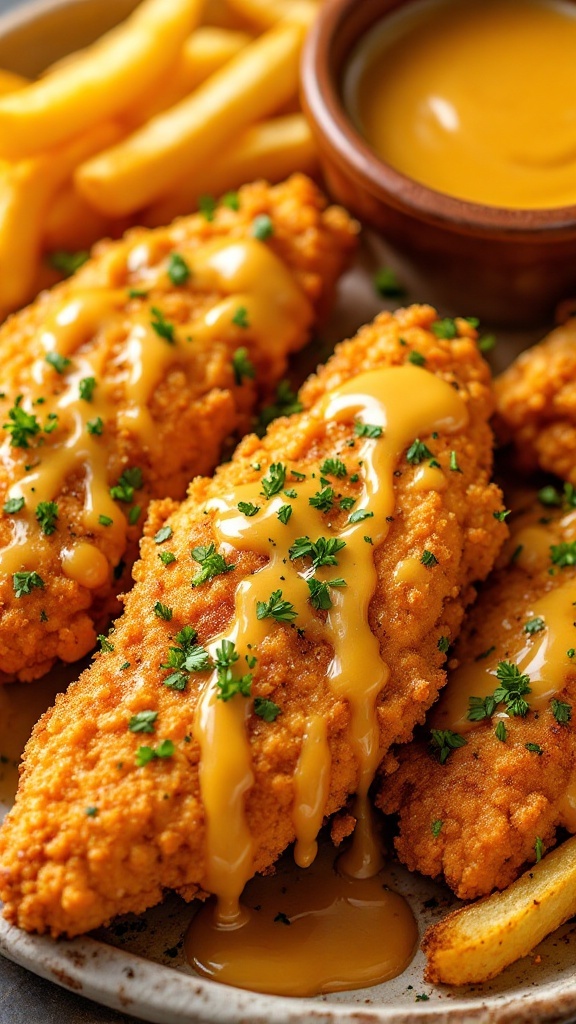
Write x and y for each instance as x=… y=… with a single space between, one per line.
x=536 y=405
x=133 y=374
x=93 y=835
x=496 y=803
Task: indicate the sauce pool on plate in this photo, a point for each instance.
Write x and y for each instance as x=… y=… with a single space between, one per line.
x=473 y=98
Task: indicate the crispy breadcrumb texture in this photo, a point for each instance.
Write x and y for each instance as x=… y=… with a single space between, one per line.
x=492 y=798
x=536 y=405
x=195 y=408
x=66 y=871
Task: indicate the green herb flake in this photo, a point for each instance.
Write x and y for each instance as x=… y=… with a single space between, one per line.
x=276 y=608
x=369 y=430
x=212 y=563
x=46 y=515
x=444 y=741
x=501 y=732
x=436 y=828
x=454 y=463
x=105 y=645
x=131 y=480
x=266 y=709
x=428 y=558
x=207 y=207
x=231 y=200
x=162 y=611
x=323 y=499
x=501 y=516
x=387 y=285
x=25 y=582
x=320 y=592
x=539 y=849
x=166 y=557
x=105 y=520
x=549 y=497
x=163 y=534
x=22 y=426
x=144 y=755
x=67 y=263
x=284 y=513
x=143 y=721
x=134 y=514
x=334 y=467
x=58 y=362
x=274 y=481
x=262 y=227
x=487 y=343
x=14 y=505
x=240 y=318
x=535 y=625
x=359 y=516
x=95 y=426
x=563 y=554
x=562 y=712
x=417 y=452
x=228 y=684
x=242 y=367
x=163 y=328
x=443 y=644
x=91 y=812
x=322 y=551
x=178 y=269
x=416 y=358
x=248 y=509
x=445 y=328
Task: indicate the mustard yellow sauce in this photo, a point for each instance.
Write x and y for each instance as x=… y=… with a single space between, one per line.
x=383 y=401
x=474 y=98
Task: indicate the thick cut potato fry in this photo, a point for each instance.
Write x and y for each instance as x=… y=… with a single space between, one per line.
x=207 y=50
x=477 y=942
x=72 y=224
x=265 y=13
x=271 y=150
x=9 y=82
x=26 y=191
x=147 y=164
x=103 y=80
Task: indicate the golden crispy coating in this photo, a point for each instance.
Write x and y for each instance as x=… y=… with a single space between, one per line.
x=493 y=798
x=64 y=870
x=536 y=405
x=197 y=403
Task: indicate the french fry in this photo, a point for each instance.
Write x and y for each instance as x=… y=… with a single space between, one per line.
x=271 y=150
x=477 y=942
x=26 y=191
x=104 y=79
x=9 y=82
x=207 y=50
x=266 y=13
x=72 y=224
x=145 y=166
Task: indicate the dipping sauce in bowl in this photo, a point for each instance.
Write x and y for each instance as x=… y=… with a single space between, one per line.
x=476 y=99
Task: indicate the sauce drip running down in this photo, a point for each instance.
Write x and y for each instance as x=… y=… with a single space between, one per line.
x=307 y=931
x=244 y=273
x=384 y=399
x=474 y=98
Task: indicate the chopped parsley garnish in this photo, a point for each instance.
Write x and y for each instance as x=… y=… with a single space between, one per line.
x=562 y=712
x=480 y=708
x=534 y=748
x=25 y=582
x=143 y=721
x=231 y=200
x=67 y=263
x=164 y=329
x=454 y=463
x=207 y=207
x=95 y=426
x=539 y=849
x=166 y=557
x=323 y=499
x=229 y=684
x=360 y=515
x=178 y=269
x=47 y=514
x=240 y=318
x=322 y=551
x=14 y=505
x=164 y=533
x=445 y=328
x=106 y=646
x=347 y=503
x=137 y=293
x=563 y=554
x=187 y=657
x=162 y=611
x=416 y=358
x=276 y=608
x=333 y=467
x=51 y=423
x=287 y=403
x=501 y=732
x=130 y=481
x=291 y=492
x=444 y=741
x=535 y=625
x=297 y=475
x=242 y=366
x=417 y=452
x=23 y=425
x=387 y=284
x=367 y=430
x=262 y=227
x=248 y=509
x=213 y=564
x=57 y=362
x=571 y=652
x=443 y=644
x=105 y=520
x=266 y=709
x=284 y=513
x=320 y=592
x=428 y=558
x=86 y=388
x=486 y=343
x=274 y=482
x=501 y=516
x=144 y=755
x=436 y=828
x=91 y=812
x=513 y=686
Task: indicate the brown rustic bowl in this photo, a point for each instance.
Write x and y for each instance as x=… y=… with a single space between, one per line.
x=506 y=266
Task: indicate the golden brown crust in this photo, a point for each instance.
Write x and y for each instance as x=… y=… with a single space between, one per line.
x=195 y=408
x=493 y=798
x=65 y=872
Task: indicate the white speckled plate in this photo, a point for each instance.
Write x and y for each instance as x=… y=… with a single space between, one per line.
x=137 y=965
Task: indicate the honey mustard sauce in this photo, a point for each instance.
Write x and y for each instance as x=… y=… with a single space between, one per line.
x=545 y=654
x=384 y=401
x=76 y=382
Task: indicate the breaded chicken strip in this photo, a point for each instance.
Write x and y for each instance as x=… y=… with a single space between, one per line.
x=106 y=818
x=496 y=803
x=123 y=383
x=536 y=405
